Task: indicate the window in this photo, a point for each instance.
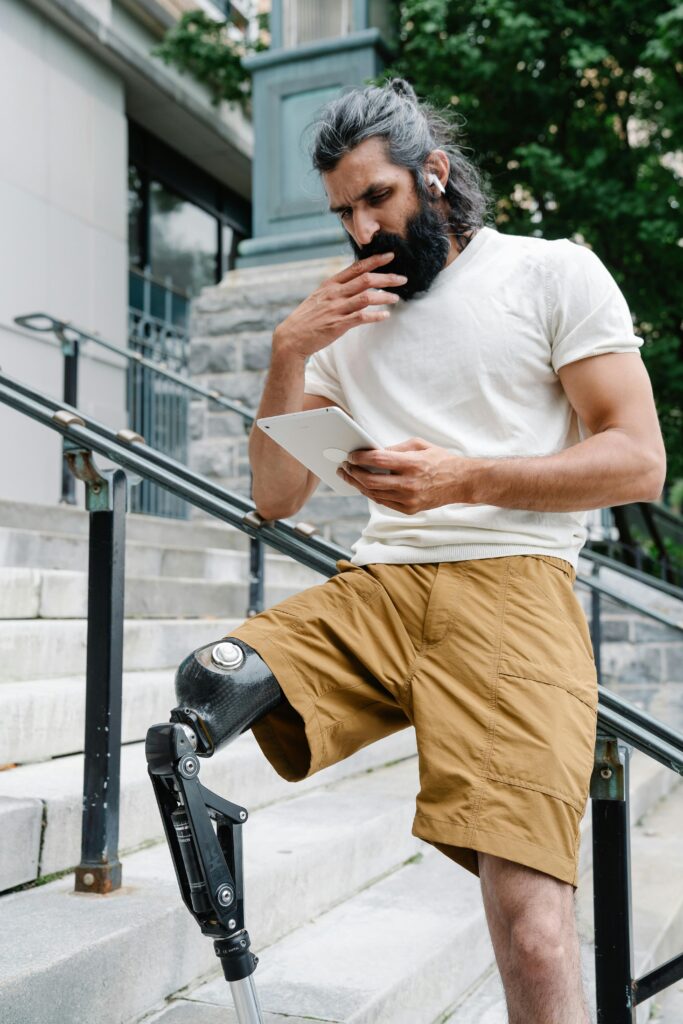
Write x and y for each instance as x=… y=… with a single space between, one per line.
x=183 y=241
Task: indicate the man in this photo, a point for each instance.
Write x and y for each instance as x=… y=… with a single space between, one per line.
x=503 y=377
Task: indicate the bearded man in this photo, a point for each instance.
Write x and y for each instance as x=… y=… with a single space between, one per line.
x=502 y=375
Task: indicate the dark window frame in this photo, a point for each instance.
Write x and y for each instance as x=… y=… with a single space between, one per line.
x=154 y=159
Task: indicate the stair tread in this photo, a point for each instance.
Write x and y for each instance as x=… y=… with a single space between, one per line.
x=145 y=930
x=387 y=954
x=241 y=773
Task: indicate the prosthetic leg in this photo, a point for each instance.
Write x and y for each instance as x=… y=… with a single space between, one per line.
x=222 y=690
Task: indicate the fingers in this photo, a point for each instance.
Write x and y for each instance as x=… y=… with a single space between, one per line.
x=413 y=444
x=374 y=297
x=363 y=316
x=369 y=280
x=360 y=266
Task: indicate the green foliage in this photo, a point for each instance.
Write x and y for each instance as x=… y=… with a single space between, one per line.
x=199 y=46
x=574 y=112
x=674 y=552
x=676 y=497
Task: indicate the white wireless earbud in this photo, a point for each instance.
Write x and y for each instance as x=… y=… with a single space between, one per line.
x=433 y=180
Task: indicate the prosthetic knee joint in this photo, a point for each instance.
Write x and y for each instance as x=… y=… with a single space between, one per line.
x=222 y=689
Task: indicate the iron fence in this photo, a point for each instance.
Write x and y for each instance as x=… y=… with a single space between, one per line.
x=158 y=407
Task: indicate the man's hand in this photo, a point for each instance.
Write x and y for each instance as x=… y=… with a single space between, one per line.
x=340 y=303
x=422 y=476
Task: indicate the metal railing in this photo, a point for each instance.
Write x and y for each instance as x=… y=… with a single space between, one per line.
x=145 y=398
x=644 y=525
x=158 y=407
x=619 y=722
x=157 y=390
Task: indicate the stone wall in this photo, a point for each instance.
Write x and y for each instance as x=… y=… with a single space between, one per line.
x=231 y=328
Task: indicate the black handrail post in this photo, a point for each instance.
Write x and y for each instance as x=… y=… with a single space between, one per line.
x=257 y=564
x=256 y=582
x=612 y=884
x=106 y=499
x=70 y=394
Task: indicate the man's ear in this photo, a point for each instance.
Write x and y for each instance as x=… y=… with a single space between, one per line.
x=439 y=165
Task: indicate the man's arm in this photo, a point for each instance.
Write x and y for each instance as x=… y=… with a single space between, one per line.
x=281 y=485
x=623 y=461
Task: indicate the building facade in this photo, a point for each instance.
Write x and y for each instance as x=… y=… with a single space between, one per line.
x=123 y=192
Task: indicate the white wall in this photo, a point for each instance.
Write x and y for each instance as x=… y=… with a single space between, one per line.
x=63 y=232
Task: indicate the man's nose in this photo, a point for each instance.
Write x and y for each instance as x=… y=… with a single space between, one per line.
x=365 y=227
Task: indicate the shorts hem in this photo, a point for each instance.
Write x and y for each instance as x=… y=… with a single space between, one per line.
x=265 y=734
x=464 y=840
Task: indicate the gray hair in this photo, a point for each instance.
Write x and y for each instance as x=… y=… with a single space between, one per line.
x=411 y=130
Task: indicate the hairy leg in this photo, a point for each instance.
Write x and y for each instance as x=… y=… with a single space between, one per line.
x=532 y=922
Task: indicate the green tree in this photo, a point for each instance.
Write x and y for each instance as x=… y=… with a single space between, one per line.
x=574 y=112
x=211 y=52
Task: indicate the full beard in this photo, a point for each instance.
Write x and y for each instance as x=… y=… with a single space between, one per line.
x=421 y=254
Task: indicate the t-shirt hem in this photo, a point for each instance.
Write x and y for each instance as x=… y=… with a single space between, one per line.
x=393 y=555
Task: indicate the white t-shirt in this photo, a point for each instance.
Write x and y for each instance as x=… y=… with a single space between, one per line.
x=471 y=365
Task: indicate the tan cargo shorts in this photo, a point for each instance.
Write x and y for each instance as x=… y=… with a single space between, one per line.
x=489 y=659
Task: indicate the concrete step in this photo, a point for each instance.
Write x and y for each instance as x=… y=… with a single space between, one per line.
x=396 y=953
x=52 y=550
x=128 y=953
x=656 y=840
x=46 y=648
x=73 y=958
x=45 y=718
x=54 y=791
x=334 y=970
x=61 y=594
x=20 y=824
x=150 y=529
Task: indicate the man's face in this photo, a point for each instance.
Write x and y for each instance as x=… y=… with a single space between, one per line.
x=379 y=207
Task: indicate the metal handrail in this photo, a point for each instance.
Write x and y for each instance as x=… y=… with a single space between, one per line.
x=632 y=573
x=67 y=334
x=118 y=442
x=600 y=588
x=130 y=452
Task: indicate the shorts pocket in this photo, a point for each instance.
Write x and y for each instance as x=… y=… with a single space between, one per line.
x=545 y=636
x=544 y=739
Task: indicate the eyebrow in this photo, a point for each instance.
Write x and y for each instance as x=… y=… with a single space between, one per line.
x=369 y=191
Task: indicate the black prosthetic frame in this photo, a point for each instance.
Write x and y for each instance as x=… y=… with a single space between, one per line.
x=207 y=862
x=219 y=703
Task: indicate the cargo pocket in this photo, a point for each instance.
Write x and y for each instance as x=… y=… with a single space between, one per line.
x=544 y=739
x=546 y=694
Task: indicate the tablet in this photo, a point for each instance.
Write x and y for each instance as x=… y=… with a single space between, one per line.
x=321 y=440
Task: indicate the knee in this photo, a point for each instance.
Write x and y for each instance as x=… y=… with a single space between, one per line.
x=222 y=689
x=538 y=943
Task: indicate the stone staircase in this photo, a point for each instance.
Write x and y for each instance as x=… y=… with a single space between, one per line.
x=356 y=921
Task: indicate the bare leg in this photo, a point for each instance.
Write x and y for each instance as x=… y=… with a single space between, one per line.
x=532 y=923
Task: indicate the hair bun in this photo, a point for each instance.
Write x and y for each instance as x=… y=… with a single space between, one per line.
x=403 y=88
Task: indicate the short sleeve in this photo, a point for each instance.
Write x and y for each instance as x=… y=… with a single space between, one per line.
x=587 y=312
x=321 y=378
